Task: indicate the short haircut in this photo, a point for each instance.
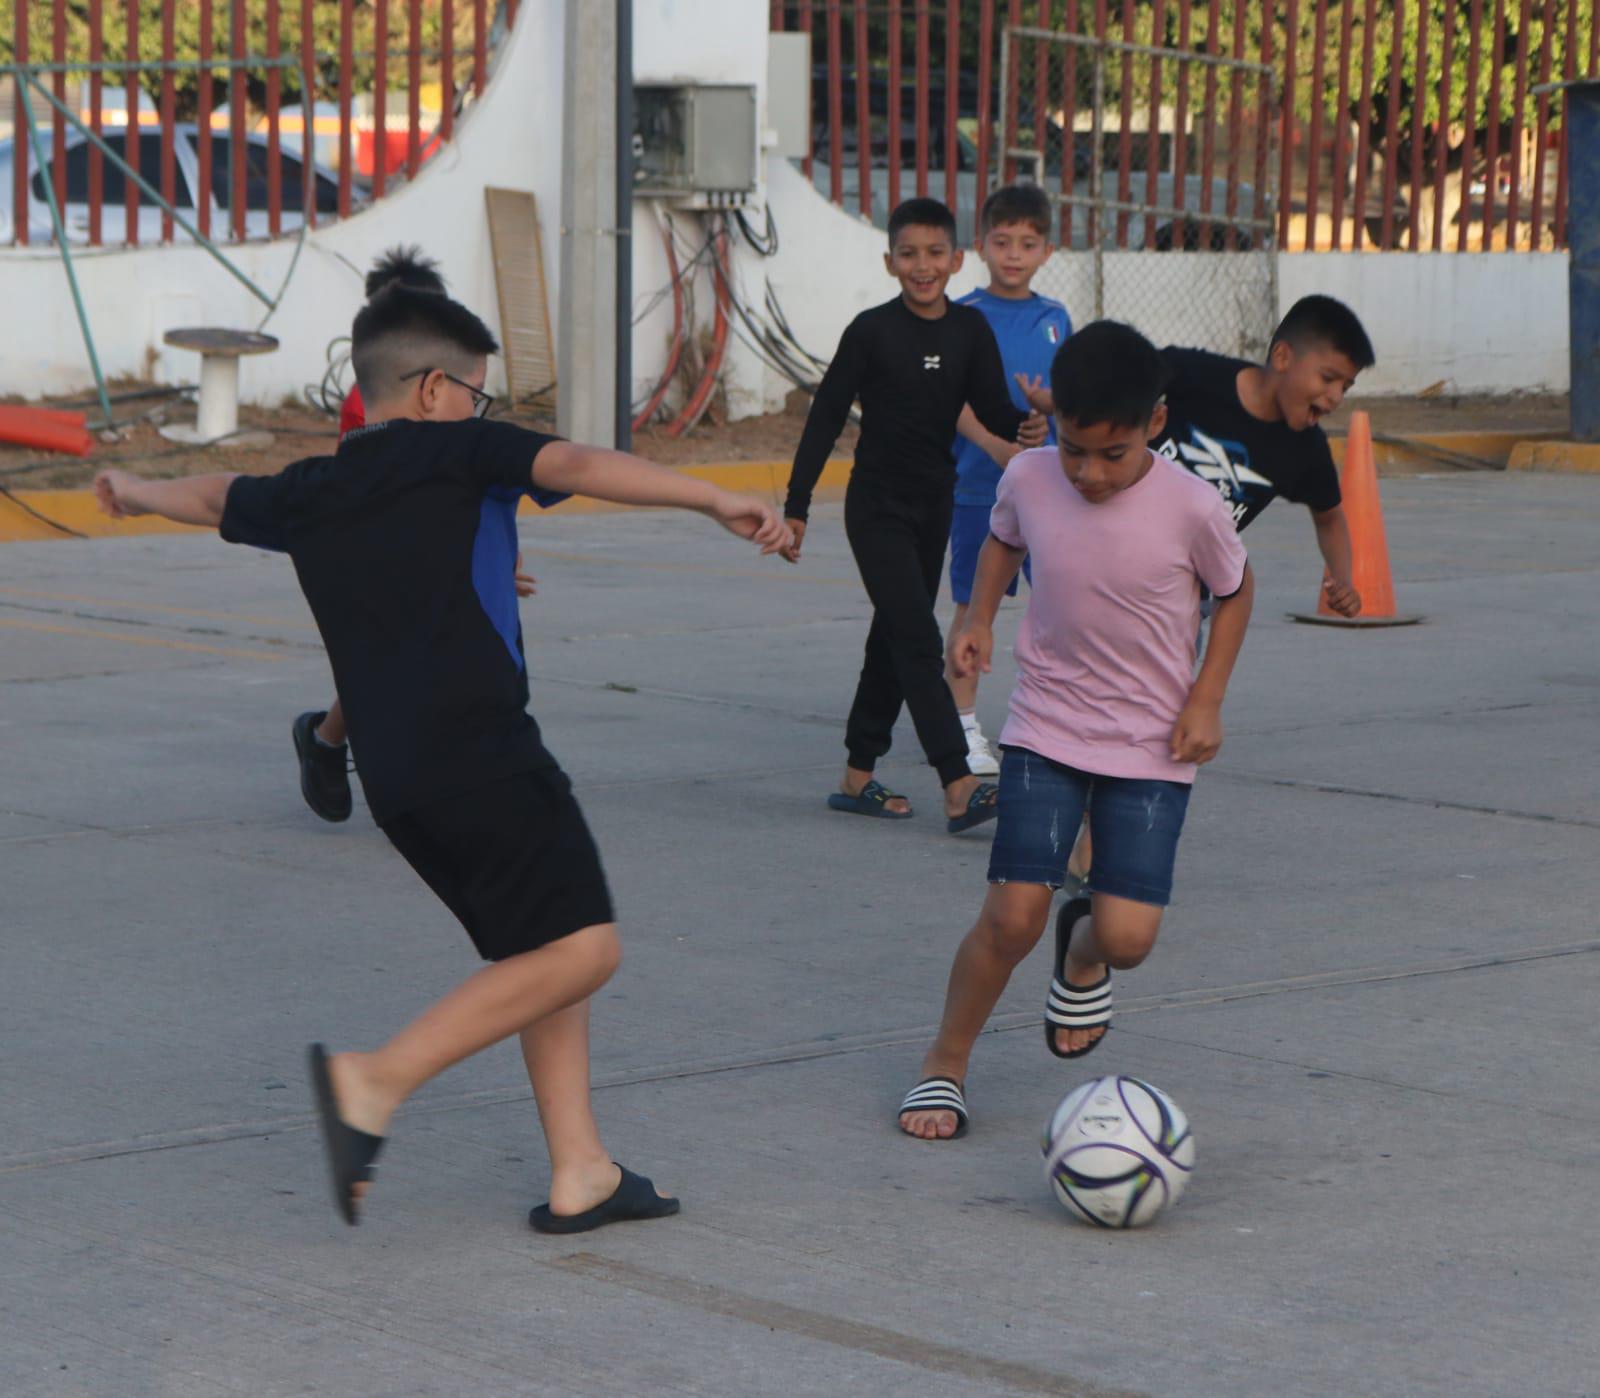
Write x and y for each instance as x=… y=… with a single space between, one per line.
x=921 y=213
x=1107 y=372
x=1320 y=320
x=408 y=267
x=1016 y=203
x=402 y=330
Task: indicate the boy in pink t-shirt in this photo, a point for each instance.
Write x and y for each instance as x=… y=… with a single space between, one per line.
x=1107 y=700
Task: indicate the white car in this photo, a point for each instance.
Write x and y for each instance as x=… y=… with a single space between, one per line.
x=186 y=186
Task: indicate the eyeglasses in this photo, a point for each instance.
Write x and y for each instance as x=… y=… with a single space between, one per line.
x=481 y=401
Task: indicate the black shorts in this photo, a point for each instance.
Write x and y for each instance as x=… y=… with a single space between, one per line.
x=514 y=861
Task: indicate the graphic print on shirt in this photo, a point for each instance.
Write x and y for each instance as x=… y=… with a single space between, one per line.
x=931 y=361
x=1226 y=467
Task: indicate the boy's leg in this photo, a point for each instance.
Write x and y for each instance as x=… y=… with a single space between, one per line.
x=495 y=1003
x=332 y=730
x=1136 y=826
x=1013 y=917
x=556 y=1050
x=868 y=731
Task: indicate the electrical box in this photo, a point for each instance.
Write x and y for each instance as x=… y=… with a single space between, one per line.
x=695 y=143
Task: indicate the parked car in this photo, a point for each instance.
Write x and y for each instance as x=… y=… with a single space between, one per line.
x=186 y=185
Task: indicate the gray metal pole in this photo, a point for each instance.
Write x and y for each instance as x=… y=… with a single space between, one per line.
x=585 y=358
x=624 y=250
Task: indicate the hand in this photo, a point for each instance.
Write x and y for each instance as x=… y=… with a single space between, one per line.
x=1341 y=596
x=970 y=650
x=1035 y=428
x=1037 y=392
x=752 y=519
x=115 y=490
x=797 y=535
x=526 y=584
x=1197 y=735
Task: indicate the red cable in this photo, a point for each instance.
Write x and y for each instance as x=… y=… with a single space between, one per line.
x=675 y=352
x=698 y=400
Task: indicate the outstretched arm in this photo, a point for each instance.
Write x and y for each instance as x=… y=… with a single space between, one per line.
x=972 y=648
x=574 y=469
x=188 y=500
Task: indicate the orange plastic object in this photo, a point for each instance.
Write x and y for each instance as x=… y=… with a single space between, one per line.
x=48 y=429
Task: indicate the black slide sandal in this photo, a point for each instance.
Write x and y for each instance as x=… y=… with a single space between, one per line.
x=982 y=805
x=936 y=1095
x=351 y=1153
x=635 y=1198
x=1075 y=1006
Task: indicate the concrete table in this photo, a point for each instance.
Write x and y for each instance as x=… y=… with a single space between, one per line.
x=220 y=351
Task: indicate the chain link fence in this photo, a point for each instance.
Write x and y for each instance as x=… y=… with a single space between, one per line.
x=1161 y=167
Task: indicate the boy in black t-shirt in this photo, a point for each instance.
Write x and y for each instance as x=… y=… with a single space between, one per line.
x=435 y=693
x=914 y=363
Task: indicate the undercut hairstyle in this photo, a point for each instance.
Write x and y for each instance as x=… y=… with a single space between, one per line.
x=921 y=213
x=405 y=266
x=1016 y=203
x=402 y=330
x=1315 y=321
x=1107 y=372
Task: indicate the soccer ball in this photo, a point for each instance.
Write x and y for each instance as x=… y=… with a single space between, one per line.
x=1117 y=1152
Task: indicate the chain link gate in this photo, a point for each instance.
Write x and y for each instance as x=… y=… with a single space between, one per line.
x=1148 y=230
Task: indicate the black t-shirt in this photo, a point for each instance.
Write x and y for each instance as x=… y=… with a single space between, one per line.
x=1248 y=461
x=382 y=538
x=913 y=376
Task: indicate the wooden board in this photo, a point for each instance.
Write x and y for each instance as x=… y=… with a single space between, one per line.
x=525 y=333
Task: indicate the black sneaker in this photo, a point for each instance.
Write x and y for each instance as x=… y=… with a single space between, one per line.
x=324 y=773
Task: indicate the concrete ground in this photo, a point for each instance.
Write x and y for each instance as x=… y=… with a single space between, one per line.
x=1375 y=997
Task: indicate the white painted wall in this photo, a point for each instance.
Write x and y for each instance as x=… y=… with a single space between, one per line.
x=1481 y=322
x=511 y=138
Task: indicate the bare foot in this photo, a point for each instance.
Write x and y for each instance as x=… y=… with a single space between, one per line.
x=362 y=1104
x=929 y=1126
x=1081 y=978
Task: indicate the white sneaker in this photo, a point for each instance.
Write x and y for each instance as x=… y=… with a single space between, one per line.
x=981 y=761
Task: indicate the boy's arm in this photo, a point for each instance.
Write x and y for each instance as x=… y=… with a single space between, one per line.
x=1333 y=538
x=574 y=469
x=971 y=650
x=998 y=451
x=830 y=408
x=1197 y=735
x=986 y=386
x=187 y=500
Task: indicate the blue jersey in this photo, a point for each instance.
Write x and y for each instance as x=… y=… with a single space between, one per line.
x=1030 y=331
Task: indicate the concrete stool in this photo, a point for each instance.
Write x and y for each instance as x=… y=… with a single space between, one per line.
x=219 y=352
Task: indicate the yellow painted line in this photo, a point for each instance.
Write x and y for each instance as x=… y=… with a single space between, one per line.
x=126 y=605
x=1573 y=458
x=78 y=509
x=50 y=628
x=1488 y=446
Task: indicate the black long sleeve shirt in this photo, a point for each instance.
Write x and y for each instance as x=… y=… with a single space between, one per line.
x=913 y=376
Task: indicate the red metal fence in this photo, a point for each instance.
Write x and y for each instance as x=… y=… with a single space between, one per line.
x=1401 y=124
x=308 y=131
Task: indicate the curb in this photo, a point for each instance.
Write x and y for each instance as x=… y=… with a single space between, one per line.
x=1569 y=458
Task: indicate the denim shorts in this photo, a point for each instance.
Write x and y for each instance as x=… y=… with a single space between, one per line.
x=1135 y=824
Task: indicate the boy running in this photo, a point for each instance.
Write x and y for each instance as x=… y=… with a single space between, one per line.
x=320 y=736
x=1107 y=702
x=382 y=539
x=913 y=362
x=1014 y=243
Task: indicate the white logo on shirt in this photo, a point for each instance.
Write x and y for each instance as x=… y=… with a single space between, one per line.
x=1209 y=459
x=931 y=361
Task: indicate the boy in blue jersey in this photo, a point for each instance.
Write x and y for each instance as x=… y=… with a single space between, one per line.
x=1014 y=242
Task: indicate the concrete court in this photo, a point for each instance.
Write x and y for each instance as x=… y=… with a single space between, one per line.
x=1375 y=997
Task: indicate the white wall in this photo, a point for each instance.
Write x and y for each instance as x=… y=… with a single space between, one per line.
x=511 y=138
x=1481 y=322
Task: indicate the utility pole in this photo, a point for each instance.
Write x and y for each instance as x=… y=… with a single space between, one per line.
x=591 y=242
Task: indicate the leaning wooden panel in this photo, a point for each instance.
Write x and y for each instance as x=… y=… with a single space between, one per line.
x=518 y=255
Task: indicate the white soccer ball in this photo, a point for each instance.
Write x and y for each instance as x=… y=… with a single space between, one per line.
x=1117 y=1152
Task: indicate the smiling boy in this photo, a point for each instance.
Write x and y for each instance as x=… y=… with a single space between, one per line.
x=913 y=362
x=1107 y=703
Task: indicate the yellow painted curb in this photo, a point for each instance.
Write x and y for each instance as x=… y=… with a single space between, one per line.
x=78 y=512
x=1576 y=458
x=1493 y=447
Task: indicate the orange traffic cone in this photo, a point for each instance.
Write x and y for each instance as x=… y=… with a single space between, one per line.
x=1369 y=548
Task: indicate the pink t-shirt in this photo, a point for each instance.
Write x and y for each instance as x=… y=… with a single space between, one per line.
x=1106 y=652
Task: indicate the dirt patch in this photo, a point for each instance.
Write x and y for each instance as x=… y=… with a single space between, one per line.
x=140 y=448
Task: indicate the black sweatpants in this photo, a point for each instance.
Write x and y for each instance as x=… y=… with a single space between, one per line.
x=899 y=543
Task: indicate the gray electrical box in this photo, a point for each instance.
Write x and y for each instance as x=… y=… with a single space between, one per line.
x=695 y=143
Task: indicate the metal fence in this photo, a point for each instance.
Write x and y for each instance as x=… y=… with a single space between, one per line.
x=252 y=117
x=1398 y=124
